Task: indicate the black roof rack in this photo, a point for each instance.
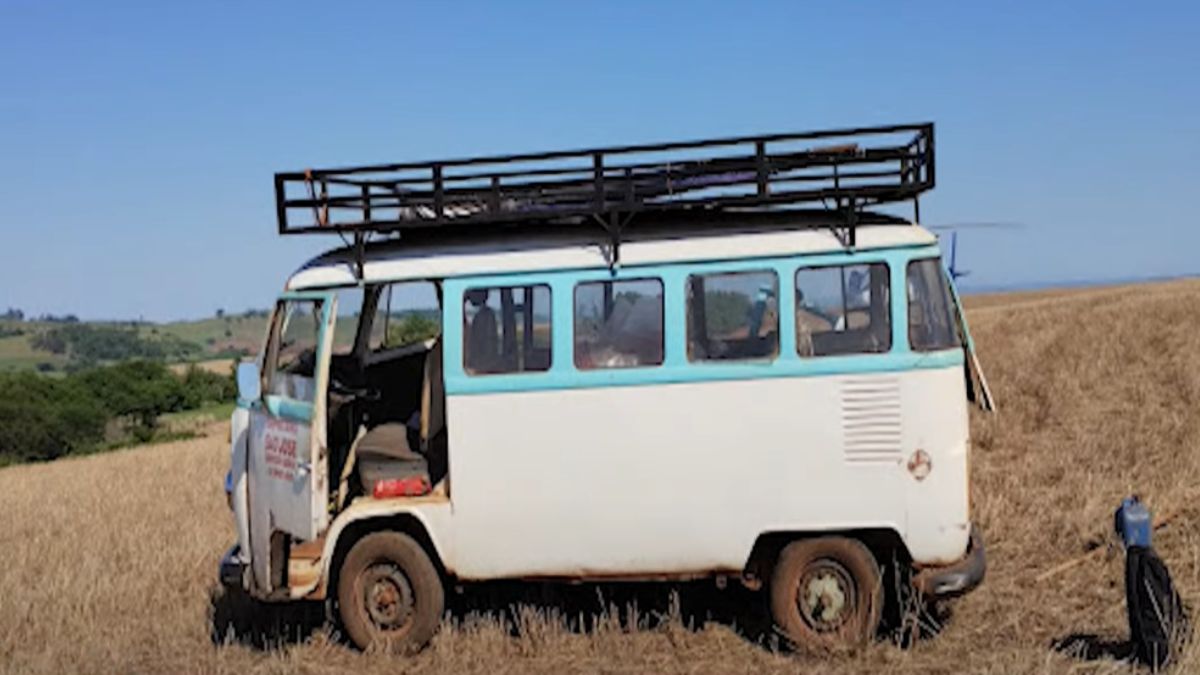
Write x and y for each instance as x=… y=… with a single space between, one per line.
x=843 y=170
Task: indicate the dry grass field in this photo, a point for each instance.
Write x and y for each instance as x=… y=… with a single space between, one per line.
x=107 y=562
x=216 y=366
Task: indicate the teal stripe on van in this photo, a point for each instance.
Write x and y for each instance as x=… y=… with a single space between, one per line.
x=291 y=409
x=460 y=383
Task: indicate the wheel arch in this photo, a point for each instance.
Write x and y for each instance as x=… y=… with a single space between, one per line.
x=344 y=534
x=884 y=542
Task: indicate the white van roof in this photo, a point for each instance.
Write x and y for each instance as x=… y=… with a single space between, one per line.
x=398 y=260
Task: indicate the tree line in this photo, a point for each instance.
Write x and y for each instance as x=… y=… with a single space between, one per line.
x=43 y=418
x=87 y=344
x=17 y=314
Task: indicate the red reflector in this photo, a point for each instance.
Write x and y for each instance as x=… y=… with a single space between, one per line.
x=413 y=486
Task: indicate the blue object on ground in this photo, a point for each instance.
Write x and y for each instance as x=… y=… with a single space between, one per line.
x=1133 y=523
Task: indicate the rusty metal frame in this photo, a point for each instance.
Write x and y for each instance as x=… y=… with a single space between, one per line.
x=853 y=168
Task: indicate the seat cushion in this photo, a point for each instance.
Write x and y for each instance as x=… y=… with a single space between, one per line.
x=387 y=440
x=384 y=454
x=373 y=468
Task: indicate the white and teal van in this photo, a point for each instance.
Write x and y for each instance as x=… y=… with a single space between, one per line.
x=753 y=391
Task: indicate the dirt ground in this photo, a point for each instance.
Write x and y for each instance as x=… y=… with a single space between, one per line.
x=107 y=562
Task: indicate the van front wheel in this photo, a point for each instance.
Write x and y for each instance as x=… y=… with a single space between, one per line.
x=389 y=593
x=826 y=594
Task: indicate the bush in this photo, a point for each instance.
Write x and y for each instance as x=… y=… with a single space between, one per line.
x=52 y=341
x=44 y=418
x=88 y=344
x=412 y=328
x=202 y=386
x=136 y=390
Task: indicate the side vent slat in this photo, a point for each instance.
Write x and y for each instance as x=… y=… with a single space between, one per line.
x=872 y=423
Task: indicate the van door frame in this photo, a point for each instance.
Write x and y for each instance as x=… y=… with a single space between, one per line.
x=273 y=511
x=978 y=390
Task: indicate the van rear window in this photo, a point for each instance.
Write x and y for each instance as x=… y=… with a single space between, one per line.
x=733 y=316
x=506 y=329
x=931 y=324
x=843 y=309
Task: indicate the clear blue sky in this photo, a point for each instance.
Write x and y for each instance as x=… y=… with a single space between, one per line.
x=137 y=142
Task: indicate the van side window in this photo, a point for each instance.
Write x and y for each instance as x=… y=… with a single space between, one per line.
x=931 y=324
x=406 y=312
x=506 y=329
x=843 y=309
x=619 y=324
x=733 y=316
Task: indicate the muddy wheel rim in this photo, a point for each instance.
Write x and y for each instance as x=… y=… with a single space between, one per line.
x=826 y=596
x=387 y=597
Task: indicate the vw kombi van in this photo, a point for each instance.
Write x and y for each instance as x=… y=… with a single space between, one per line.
x=710 y=359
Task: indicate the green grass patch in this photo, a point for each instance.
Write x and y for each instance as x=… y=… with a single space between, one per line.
x=16 y=353
x=216 y=334
x=210 y=412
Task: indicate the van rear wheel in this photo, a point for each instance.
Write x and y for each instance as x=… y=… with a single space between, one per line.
x=826 y=594
x=389 y=593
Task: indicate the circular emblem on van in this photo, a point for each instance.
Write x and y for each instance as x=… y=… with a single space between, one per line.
x=920 y=464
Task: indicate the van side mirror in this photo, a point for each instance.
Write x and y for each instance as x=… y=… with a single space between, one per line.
x=249 y=381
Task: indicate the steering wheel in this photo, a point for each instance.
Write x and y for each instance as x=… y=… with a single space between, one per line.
x=340 y=388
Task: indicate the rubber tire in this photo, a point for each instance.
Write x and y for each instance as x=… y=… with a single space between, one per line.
x=864 y=572
x=231 y=616
x=428 y=593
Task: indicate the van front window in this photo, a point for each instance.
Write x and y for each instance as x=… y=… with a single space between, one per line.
x=292 y=372
x=931 y=324
x=349 y=309
x=506 y=329
x=407 y=313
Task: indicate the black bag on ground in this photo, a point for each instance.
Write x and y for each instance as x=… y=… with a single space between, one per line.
x=1158 y=622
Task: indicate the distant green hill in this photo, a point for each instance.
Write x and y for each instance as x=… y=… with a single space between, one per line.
x=219 y=336
x=57 y=346
x=16 y=353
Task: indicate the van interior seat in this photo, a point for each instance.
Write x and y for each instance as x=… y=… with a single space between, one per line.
x=383 y=453
x=433 y=414
x=396 y=450
x=388 y=440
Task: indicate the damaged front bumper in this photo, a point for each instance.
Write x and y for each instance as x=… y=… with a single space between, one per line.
x=232 y=571
x=947 y=581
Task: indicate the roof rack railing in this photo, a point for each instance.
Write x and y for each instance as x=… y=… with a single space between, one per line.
x=842 y=170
